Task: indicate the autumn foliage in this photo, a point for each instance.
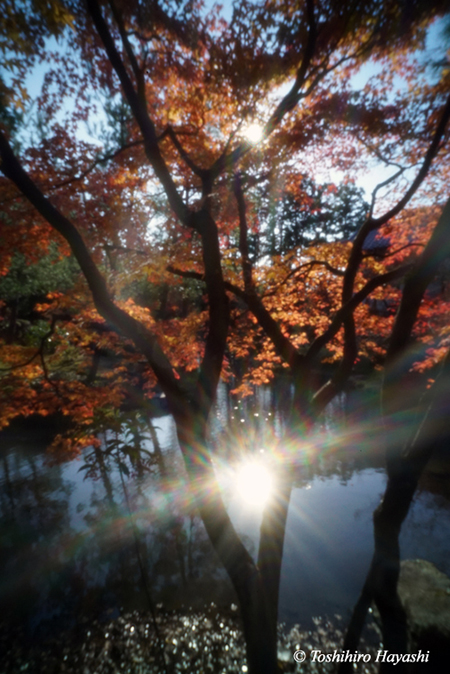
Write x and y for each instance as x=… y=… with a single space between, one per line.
x=151 y=244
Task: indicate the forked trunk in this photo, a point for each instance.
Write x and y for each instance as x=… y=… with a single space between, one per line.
x=257 y=612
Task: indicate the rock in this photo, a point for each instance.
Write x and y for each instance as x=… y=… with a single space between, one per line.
x=425 y=594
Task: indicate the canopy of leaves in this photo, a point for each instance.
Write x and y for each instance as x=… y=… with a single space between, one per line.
x=140 y=127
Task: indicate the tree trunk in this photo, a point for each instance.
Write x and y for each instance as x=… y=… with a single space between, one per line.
x=273 y=528
x=258 y=625
x=381 y=582
x=257 y=615
x=404 y=469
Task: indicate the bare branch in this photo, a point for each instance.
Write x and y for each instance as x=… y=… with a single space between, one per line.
x=375 y=223
x=125 y=249
x=198 y=276
x=421 y=175
x=379 y=154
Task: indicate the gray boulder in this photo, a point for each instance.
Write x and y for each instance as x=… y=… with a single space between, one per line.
x=425 y=594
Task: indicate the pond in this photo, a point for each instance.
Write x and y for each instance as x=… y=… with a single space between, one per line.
x=105 y=532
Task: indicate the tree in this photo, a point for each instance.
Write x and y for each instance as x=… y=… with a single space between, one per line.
x=312 y=214
x=180 y=86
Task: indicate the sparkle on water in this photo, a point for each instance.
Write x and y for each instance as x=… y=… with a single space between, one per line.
x=254 y=483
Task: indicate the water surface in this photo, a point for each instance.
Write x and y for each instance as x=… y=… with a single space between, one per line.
x=78 y=537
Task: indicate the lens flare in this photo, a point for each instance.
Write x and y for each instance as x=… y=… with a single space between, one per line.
x=253 y=133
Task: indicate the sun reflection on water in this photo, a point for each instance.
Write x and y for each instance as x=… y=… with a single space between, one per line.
x=253 y=483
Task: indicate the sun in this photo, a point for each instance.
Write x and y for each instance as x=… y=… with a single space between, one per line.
x=254 y=132
x=254 y=483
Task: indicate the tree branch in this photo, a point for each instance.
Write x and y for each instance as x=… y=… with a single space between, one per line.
x=435 y=252
x=247 y=271
x=140 y=113
x=384 y=256
x=304 y=265
x=282 y=343
x=292 y=97
x=201 y=173
x=429 y=156
x=39 y=352
x=287 y=104
x=374 y=223
x=96 y=162
x=325 y=394
x=352 y=304
x=131 y=328
x=138 y=72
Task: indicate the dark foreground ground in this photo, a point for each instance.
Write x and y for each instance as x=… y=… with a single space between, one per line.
x=195 y=642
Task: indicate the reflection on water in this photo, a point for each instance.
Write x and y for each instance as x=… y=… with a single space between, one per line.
x=73 y=546
x=253 y=483
x=122 y=531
